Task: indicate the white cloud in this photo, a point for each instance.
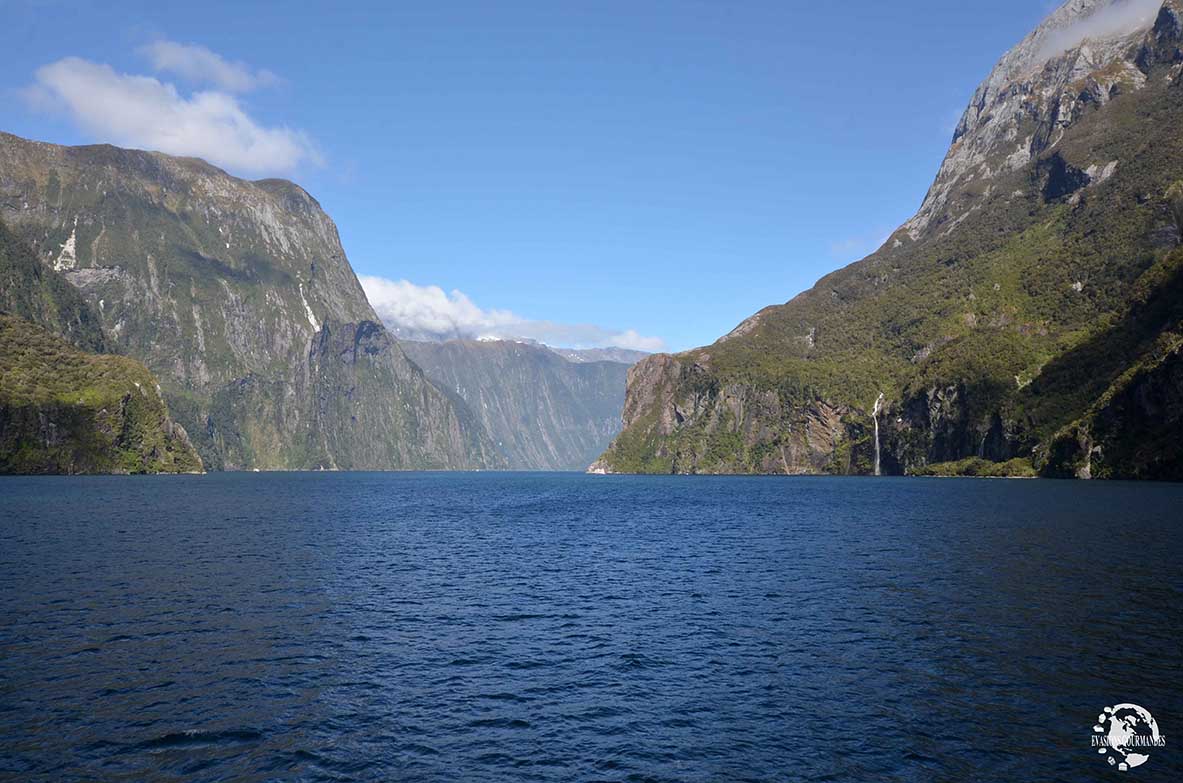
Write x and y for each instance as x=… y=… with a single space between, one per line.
x=1119 y=18
x=636 y=342
x=430 y=312
x=202 y=66
x=141 y=111
x=430 y=309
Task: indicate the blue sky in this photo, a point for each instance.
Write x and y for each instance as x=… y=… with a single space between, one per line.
x=655 y=170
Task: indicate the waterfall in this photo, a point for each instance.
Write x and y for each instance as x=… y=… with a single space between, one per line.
x=875 y=417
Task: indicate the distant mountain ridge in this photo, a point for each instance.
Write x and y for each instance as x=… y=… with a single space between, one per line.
x=238 y=296
x=618 y=355
x=1028 y=318
x=543 y=410
x=604 y=354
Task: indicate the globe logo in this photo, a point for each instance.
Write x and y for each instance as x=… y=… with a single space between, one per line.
x=1125 y=734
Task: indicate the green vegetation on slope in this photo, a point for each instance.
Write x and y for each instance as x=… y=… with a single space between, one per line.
x=66 y=411
x=976 y=467
x=29 y=290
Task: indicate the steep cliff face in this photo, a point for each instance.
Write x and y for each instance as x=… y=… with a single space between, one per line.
x=543 y=411
x=1126 y=389
x=228 y=290
x=30 y=291
x=681 y=417
x=1132 y=432
x=65 y=411
x=986 y=326
x=63 y=408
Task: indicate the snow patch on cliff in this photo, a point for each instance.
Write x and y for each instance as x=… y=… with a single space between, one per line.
x=308 y=311
x=67 y=258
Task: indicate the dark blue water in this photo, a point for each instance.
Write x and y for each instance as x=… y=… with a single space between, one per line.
x=556 y=628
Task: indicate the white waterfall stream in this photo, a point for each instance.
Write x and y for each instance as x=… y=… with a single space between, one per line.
x=875 y=416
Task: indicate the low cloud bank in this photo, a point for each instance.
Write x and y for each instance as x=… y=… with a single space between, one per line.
x=429 y=312
x=1122 y=17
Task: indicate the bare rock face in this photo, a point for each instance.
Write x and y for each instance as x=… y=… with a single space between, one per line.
x=678 y=418
x=1078 y=58
x=1041 y=273
x=222 y=287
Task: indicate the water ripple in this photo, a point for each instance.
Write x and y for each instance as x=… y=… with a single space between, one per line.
x=564 y=628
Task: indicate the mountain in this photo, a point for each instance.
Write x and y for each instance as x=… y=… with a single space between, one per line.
x=619 y=355
x=238 y=296
x=542 y=410
x=30 y=291
x=63 y=407
x=1028 y=318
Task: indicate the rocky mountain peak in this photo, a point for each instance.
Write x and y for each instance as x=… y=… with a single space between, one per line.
x=1081 y=35
x=1083 y=54
x=1097 y=22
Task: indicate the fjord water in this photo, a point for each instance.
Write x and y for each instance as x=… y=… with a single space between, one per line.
x=560 y=627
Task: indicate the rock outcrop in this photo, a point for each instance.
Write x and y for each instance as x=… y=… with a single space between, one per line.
x=66 y=411
x=36 y=293
x=1132 y=433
